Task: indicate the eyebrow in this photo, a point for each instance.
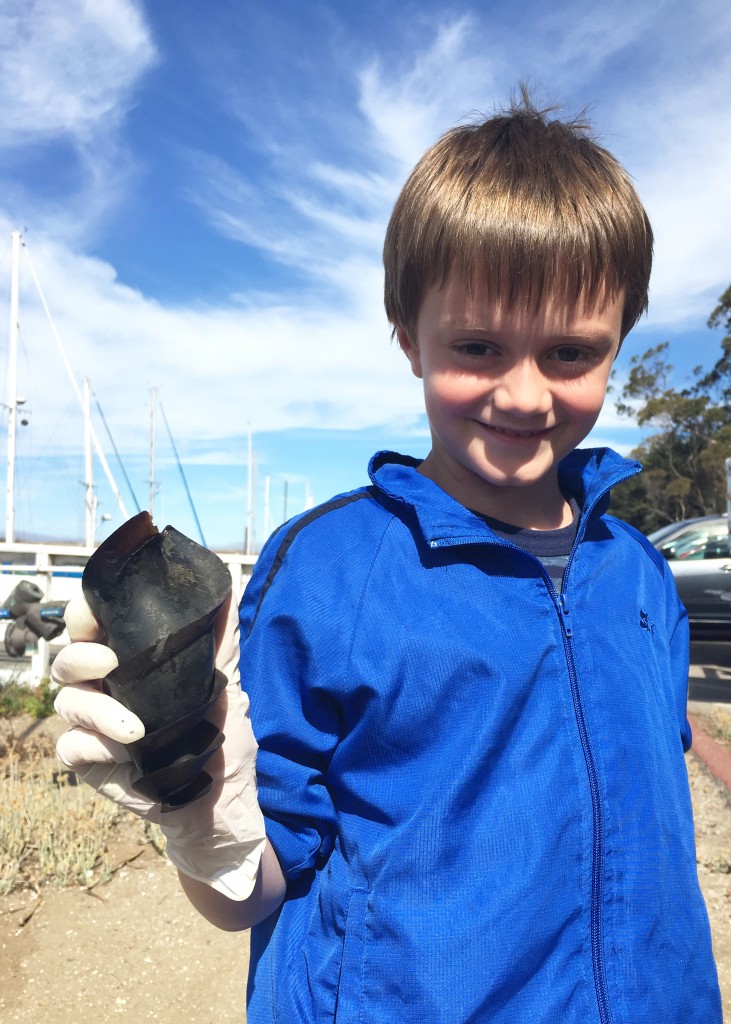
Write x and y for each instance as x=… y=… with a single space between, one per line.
x=586 y=336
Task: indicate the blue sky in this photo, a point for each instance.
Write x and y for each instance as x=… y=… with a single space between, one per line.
x=204 y=189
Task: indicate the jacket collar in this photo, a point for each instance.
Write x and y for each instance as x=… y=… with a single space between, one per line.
x=586 y=474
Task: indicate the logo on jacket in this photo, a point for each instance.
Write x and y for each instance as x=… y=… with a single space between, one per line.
x=645 y=622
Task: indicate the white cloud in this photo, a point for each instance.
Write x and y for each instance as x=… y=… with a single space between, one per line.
x=437 y=87
x=367 y=190
x=671 y=126
x=217 y=369
x=68 y=74
x=572 y=42
x=661 y=74
x=67 y=67
x=294 y=227
x=597 y=440
x=613 y=431
x=685 y=184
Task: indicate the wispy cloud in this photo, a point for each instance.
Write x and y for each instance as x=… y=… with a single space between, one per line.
x=668 y=118
x=440 y=85
x=312 y=229
x=313 y=212
x=576 y=41
x=68 y=75
x=275 y=366
x=66 y=69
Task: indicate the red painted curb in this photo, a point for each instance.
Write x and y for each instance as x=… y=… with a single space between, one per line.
x=715 y=757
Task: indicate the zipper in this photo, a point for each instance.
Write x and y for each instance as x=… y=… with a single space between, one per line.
x=596 y=899
x=596 y=908
x=596 y=905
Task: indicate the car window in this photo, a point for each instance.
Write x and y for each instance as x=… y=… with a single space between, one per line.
x=718 y=547
x=664 y=531
x=692 y=542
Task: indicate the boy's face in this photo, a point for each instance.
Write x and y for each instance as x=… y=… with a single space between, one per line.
x=508 y=394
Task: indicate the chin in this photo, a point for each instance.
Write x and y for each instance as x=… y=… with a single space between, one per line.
x=518 y=477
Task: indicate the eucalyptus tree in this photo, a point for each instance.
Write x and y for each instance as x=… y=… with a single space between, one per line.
x=684 y=456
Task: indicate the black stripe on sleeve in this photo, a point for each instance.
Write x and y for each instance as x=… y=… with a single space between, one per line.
x=321 y=510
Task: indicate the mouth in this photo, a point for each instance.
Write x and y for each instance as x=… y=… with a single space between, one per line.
x=510 y=433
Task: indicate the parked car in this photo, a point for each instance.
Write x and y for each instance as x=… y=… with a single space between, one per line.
x=699 y=554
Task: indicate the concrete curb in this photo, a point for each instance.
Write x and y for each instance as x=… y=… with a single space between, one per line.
x=715 y=757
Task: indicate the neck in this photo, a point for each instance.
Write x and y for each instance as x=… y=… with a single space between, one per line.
x=536 y=507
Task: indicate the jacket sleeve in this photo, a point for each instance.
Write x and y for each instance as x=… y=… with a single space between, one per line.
x=293 y=649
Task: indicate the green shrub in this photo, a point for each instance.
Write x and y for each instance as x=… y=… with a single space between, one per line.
x=40 y=703
x=35 y=701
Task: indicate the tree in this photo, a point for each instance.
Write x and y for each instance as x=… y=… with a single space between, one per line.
x=685 y=459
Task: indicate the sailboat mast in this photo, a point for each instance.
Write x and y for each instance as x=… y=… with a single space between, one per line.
x=12 y=402
x=90 y=502
x=267 y=485
x=97 y=446
x=153 y=404
x=249 y=492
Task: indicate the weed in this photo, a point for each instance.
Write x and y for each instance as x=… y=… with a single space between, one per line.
x=53 y=831
x=719 y=723
x=40 y=704
x=16 y=699
x=13 y=699
x=154 y=835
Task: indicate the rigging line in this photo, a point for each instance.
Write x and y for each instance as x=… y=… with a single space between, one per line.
x=185 y=482
x=116 y=452
x=70 y=372
x=29 y=466
x=49 y=448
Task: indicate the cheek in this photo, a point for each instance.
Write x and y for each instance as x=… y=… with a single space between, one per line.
x=449 y=393
x=584 y=402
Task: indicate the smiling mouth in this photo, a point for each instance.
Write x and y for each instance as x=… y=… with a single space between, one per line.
x=526 y=435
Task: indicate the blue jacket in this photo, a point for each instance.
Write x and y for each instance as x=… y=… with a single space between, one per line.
x=476 y=787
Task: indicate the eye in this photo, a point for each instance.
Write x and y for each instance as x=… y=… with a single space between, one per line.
x=473 y=348
x=572 y=358
x=570 y=354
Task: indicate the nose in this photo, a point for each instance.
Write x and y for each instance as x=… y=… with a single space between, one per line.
x=522 y=391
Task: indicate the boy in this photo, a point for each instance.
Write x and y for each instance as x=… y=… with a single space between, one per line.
x=468 y=682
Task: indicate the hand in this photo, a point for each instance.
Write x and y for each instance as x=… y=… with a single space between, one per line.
x=219 y=838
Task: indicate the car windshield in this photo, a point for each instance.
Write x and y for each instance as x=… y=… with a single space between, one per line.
x=664 y=531
x=692 y=543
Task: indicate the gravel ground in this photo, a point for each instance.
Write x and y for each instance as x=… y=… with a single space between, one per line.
x=712 y=809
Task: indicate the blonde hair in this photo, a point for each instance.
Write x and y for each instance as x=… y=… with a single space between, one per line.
x=534 y=206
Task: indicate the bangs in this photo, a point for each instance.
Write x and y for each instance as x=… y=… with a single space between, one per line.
x=528 y=208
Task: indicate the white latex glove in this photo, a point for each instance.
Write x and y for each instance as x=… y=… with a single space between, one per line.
x=219 y=838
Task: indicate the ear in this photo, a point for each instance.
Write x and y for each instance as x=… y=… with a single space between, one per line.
x=410 y=350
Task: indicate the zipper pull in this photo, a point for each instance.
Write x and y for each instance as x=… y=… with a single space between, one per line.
x=565 y=612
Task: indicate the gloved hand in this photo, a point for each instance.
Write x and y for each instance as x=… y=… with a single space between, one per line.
x=219 y=838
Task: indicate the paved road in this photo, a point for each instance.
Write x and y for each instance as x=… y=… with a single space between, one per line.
x=710 y=672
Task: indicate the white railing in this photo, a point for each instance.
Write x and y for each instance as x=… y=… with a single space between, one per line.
x=57 y=570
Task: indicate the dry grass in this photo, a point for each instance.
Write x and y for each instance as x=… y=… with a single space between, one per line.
x=54 y=831
x=719 y=724
x=50 y=831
